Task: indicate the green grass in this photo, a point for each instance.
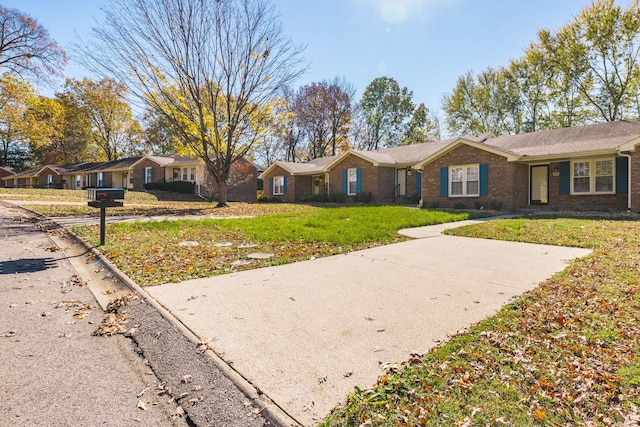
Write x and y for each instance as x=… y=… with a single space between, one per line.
x=151 y=252
x=342 y=226
x=565 y=353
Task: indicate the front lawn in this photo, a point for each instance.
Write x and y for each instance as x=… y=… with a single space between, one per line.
x=566 y=353
x=171 y=251
x=64 y=203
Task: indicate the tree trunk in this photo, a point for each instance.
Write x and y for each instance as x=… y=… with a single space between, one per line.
x=222 y=193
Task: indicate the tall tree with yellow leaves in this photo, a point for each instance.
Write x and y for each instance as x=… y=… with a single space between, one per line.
x=210 y=67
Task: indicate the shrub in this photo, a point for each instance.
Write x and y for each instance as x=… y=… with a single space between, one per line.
x=460 y=205
x=337 y=198
x=435 y=204
x=363 y=197
x=315 y=198
x=266 y=199
x=496 y=205
x=176 y=186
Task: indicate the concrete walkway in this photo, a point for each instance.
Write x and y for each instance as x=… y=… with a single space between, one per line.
x=307 y=333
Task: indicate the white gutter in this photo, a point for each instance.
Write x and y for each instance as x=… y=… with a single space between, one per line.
x=628 y=156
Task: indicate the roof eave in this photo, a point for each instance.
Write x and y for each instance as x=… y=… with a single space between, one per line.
x=462 y=141
x=560 y=156
x=630 y=146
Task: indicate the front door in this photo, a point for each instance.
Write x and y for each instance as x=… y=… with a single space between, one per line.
x=318 y=184
x=401 y=182
x=539 y=185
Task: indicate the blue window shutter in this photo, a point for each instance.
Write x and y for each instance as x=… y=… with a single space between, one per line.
x=344 y=181
x=444 y=182
x=152 y=173
x=271 y=185
x=565 y=179
x=418 y=182
x=284 y=185
x=358 y=181
x=622 y=175
x=484 y=179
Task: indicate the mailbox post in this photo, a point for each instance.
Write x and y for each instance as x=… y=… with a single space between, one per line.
x=104 y=198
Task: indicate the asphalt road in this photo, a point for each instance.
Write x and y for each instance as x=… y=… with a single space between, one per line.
x=56 y=372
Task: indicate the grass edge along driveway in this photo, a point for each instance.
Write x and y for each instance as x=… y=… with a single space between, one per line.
x=566 y=353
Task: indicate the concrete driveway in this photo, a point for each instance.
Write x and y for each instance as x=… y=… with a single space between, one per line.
x=306 y=333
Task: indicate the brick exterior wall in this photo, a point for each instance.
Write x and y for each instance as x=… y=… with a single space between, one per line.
x=508 y=182
x=158 y=173
x=379 y=181
x=509 y=186
x=5 y=173
x=242 y=185
x=634 y=171
x=42 y=178
x=290 y=195
x=589 y=202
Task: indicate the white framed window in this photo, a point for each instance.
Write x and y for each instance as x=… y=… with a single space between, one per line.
x=78 y=181
x=100 y=179
x=185 y=174
x=593 y=176
x=193 y=174
x=278 y=186
x=464 y=181
x=147 y=175
x=352 y=182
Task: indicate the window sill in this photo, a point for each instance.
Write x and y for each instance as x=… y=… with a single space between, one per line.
x=593 y=194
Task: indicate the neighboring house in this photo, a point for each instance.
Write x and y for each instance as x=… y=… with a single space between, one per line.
x=594 y=167
x=5 y=172
x=386 y=175
x=242 y=185
x=134 y=172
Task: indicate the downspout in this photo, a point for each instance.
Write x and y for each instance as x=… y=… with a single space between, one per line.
x=628 y=156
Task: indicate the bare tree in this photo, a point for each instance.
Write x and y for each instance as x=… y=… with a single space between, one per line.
x=26 y=49
x=210 y=67
x=324 y=115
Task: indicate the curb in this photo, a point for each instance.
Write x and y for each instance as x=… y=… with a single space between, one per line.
x=269 y=410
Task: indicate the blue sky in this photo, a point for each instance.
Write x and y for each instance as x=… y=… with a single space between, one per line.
x=424 y=44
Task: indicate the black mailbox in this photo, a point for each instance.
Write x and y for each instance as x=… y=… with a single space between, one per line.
x=105 y=194
x=104 y=198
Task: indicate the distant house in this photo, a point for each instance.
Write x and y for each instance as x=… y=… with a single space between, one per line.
x=594 y=167
x=134 y=172
x=4 y=172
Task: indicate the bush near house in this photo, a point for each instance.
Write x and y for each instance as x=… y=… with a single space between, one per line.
x=176 y=186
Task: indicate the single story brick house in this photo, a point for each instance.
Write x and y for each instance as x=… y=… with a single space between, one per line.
x=134 y=172
x=593 y=167
x=387 y=175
